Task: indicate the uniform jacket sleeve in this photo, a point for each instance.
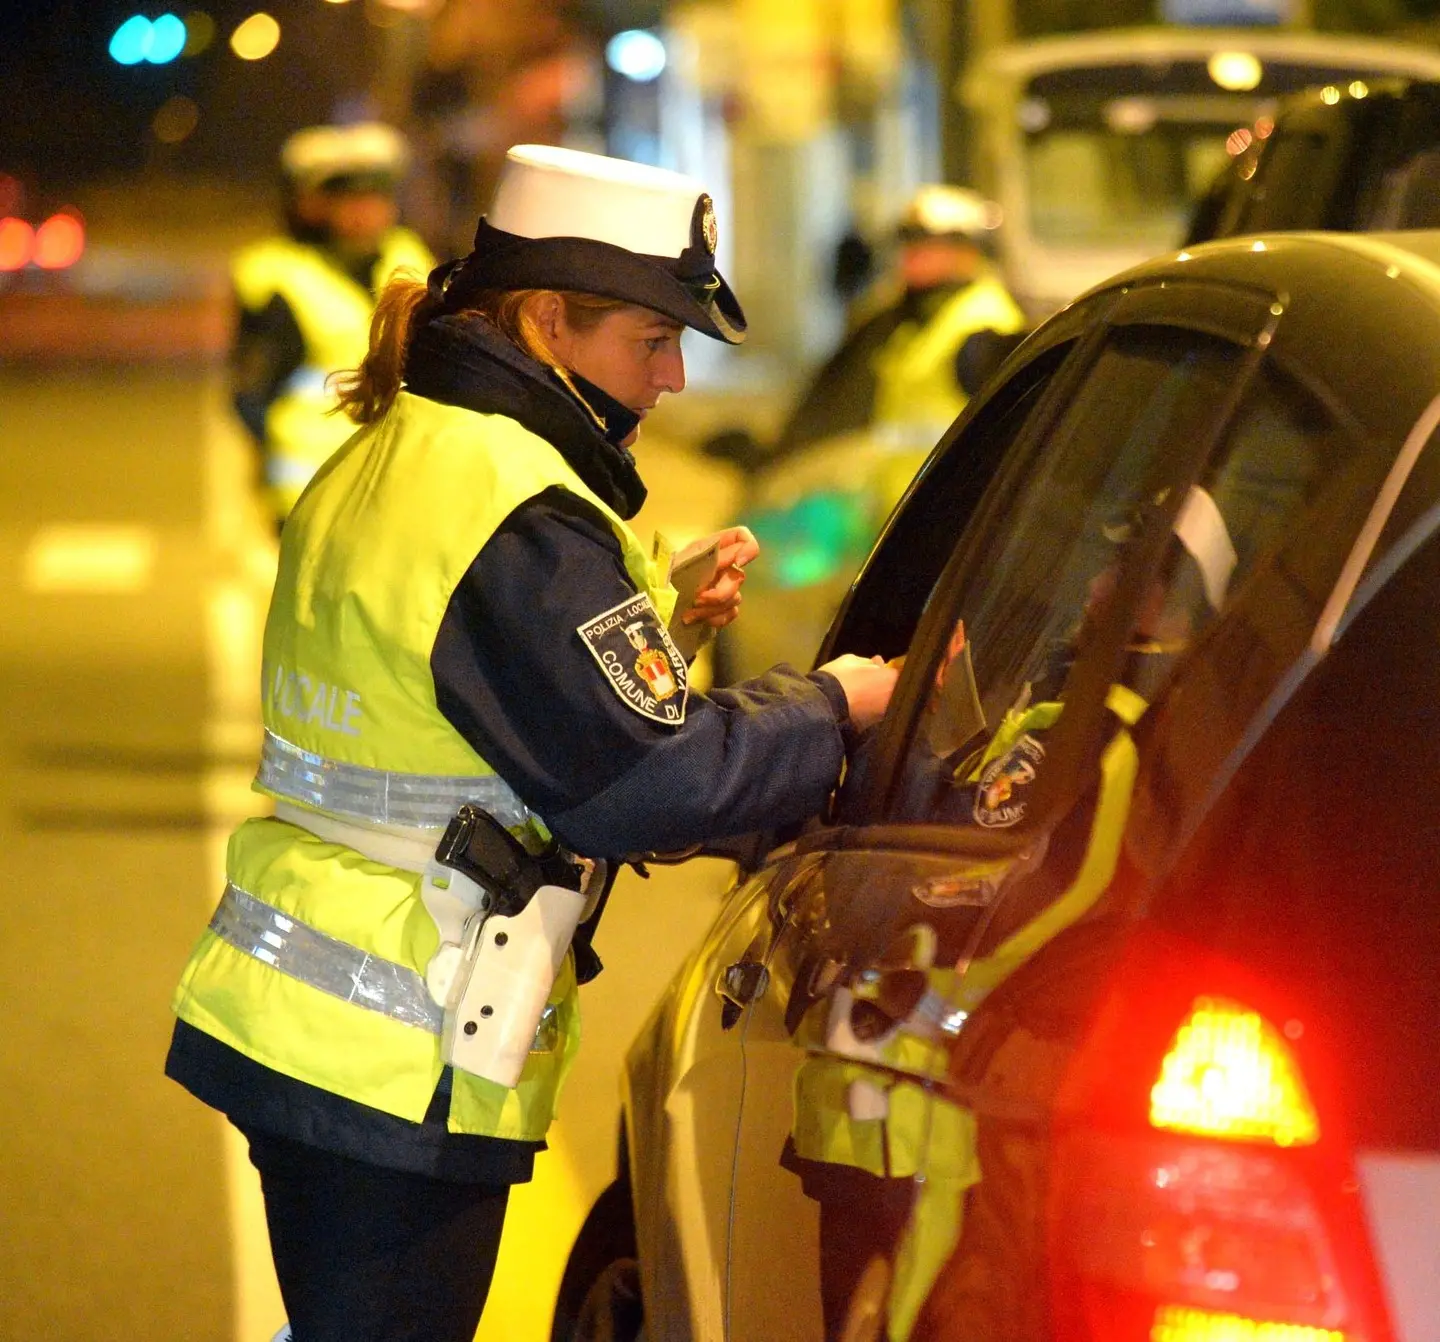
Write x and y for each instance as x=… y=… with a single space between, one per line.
x=513 y=676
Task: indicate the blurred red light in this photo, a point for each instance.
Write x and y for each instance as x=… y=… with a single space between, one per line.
x=17 y=244
x=59 y=241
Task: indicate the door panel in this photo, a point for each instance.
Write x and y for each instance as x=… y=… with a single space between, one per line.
x=684 y=1142
x=843 y=1146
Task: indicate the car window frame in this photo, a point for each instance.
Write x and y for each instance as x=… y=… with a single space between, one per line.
x=1243 y=315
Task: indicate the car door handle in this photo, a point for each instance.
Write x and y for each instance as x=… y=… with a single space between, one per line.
x=738 y=985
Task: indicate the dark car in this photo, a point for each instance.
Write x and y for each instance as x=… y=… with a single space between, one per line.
x=1105 y=1003
x=1354 y=156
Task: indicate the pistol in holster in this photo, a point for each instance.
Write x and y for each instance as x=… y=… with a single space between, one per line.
x=506 y=917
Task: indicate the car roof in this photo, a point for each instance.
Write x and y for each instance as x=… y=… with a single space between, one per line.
x=1340 y=293
x=1286 y=260
x=1131 y=46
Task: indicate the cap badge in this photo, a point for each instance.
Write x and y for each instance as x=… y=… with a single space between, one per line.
x=705 y=217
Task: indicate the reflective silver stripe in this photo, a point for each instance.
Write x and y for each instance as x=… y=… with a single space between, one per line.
x=306 y=954
x=289 y=470
x=315 y=958
x=379 y=797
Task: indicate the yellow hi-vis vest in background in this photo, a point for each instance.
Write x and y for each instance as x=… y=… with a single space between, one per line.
x=333 y=313
x=314 y=963
x=917 y=395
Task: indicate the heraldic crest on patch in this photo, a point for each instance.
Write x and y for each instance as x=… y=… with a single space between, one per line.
x=642 y=664
x=1002 y=795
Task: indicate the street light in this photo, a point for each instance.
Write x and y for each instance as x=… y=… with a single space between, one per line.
x=158 y=41
x=256 y=38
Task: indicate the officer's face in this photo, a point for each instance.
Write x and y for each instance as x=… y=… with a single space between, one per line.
x=362 y=217
x=354 y=219
x=928 y=262
x=633 y=354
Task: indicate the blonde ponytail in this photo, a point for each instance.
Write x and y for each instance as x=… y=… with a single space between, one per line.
x=366 y=392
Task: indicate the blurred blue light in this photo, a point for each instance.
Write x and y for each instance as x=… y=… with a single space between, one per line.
x=167 y=39
x=131 y=42
x=637 y=54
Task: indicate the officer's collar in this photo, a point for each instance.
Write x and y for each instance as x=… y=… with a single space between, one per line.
x=463 y=360
x=616 y=422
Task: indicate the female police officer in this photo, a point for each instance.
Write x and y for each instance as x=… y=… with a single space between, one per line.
x=462 y=616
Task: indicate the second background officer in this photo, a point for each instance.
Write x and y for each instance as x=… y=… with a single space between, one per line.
x=305 y=298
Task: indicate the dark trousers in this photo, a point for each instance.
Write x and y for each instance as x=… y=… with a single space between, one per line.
x=365 y=1254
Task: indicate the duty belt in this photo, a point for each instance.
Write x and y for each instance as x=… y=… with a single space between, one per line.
x=317 y=959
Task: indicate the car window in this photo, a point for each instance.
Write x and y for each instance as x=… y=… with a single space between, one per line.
x=1409 y=194
x=1019 y=612
x=1292 y=187
x=1022 y=622
x=1295 y=489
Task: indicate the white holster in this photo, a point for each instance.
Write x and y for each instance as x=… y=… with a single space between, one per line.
x=504 y=983
x=493 y=975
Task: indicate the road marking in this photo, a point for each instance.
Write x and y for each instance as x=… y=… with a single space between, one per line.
x=84 y=558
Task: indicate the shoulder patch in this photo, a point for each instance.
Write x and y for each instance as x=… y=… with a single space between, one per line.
x=634 y=650
x=1001 y=795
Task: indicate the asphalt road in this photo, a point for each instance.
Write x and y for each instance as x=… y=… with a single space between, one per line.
x=136 y=567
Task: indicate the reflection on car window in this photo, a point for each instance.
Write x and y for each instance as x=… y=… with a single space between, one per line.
x=1054 y=555
x=1021 y=627
x=1290 y=474
x=1149 y=394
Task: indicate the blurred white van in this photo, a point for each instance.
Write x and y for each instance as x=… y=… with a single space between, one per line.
x=1098 y=145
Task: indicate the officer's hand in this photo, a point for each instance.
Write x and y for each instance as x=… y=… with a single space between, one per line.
x=868 y=683
x=719 y=603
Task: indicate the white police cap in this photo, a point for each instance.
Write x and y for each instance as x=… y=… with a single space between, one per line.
x=321 y=156
x=565 y=219
x=938 y=211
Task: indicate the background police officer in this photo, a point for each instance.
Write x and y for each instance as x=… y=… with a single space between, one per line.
x=305 y=298
x=899 y=373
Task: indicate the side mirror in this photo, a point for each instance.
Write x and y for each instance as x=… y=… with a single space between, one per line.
x=980 y=357
x=739 y=447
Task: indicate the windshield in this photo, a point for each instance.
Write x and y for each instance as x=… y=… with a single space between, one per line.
x=1117 y=155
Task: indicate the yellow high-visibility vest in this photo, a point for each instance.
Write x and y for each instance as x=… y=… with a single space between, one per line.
x=333 y=313
x=916 y=393
x=368 y=563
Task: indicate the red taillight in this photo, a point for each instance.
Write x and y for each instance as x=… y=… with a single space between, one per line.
x=1229 y=1074
x=1199 y=1193
x=1175 y=1324
x=17 y=243
x=59 y=241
